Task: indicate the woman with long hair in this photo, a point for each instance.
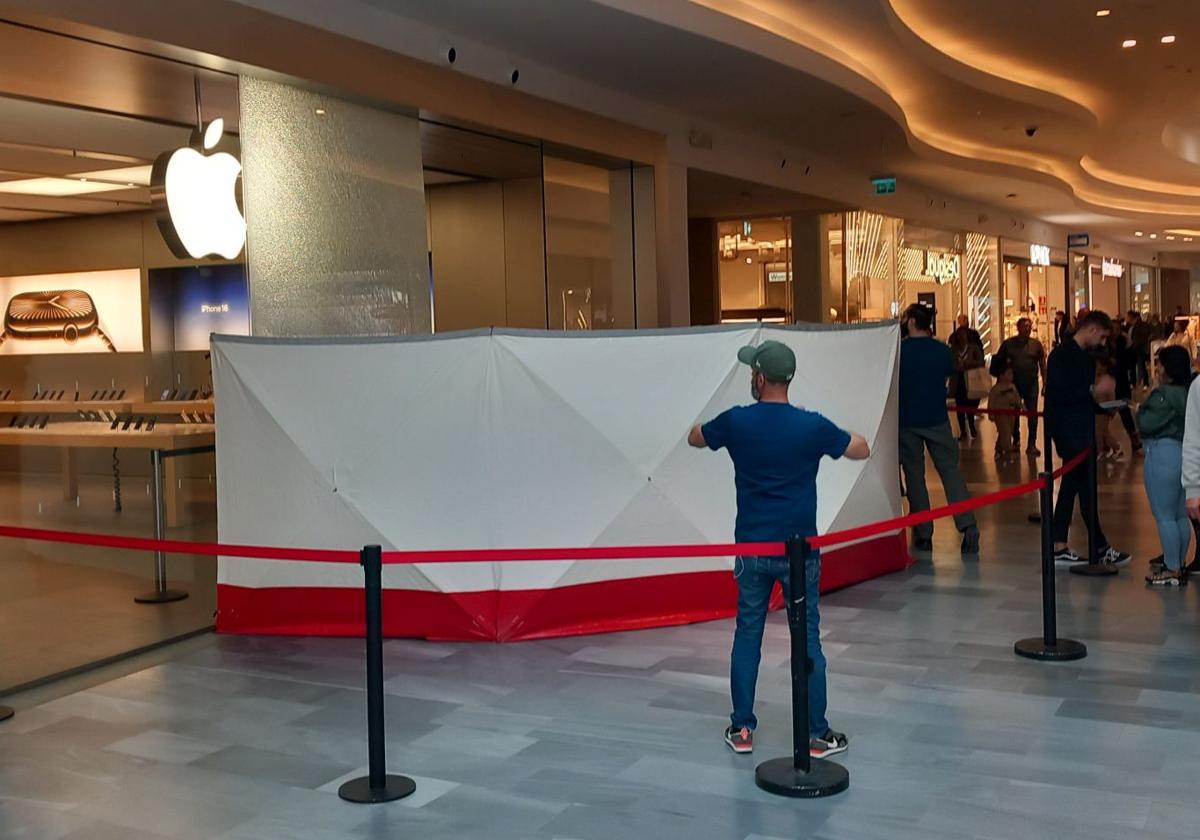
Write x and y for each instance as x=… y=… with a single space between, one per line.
x=967 y=347
x=1161 y=421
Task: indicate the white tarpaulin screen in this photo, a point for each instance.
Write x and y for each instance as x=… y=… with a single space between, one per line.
x=509 y=439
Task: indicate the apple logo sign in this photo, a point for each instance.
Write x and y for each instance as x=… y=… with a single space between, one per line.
x=203 y=218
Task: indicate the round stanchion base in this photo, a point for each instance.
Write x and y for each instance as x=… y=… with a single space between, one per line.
x=164 y=597
x=6 y=712
x=359 y=790
x=1064 y=650
x=780 y=776
x=1093 y=569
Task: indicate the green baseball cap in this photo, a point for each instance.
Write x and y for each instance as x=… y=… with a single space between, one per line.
x=773 y=359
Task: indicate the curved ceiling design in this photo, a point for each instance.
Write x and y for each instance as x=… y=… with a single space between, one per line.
x=968 y=82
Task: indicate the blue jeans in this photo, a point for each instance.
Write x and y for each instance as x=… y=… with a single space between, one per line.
x=1161 y=475
x=756 y=578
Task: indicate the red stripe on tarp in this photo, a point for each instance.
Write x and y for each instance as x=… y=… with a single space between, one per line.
x=517 y=615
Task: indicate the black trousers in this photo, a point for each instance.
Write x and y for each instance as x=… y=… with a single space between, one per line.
x=1029 y=396
x=1076 y=483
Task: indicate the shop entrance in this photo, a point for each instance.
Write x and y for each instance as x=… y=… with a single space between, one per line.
x=1036 y=292
x=755 y=269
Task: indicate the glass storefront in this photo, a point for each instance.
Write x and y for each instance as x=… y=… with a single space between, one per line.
x=755 y=269
x=1142 y=290
x=1035 y=287
x=885 y=264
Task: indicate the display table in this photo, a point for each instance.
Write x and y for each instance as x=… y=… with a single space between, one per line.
x=71 y=436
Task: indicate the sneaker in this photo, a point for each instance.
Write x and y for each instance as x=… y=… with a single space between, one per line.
x=1165 y=577
x=740 y=740
x=1067 y=555
x=1157 y=564
x=970 y=541
x=831 y=743
x=922 y=544
x=1111 y=557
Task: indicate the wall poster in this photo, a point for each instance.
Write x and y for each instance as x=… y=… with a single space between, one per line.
x=81 y=312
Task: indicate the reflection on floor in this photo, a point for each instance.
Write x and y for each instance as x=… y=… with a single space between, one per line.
x=620 y=735
x=63 y=607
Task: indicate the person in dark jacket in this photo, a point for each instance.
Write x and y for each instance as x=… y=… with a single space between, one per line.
x=1121 y=364
x=967 y=347
x=1071 y=419
x=1140 y=335
x=1161 y=420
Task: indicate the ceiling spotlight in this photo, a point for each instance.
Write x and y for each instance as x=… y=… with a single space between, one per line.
x=84 y=180
x=1168 y=39
x=1187 y=239
x=749 y=261
x=1137 y=233
x=1103 y=12
x=1129 y=42
x=1170 y=238
x=1154 y=236
x=320 y=112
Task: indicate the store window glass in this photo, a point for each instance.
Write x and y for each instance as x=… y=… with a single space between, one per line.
x=982 y=288
x=835 y=267
x=104 y=360
x=869 y=247
x=755 y=269
x=1080 y=283
x=929 y=270
x=1142 y=292
x=590 y=245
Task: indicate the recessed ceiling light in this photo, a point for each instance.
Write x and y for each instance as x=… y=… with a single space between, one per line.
x=1129 y=42
x=1168 y=39
x=320 y=112
x=749 y=261
x=1187 y=239
x=1170 y=238
x=84 y=180
x=1103 y=12
x=1137 y=233
x=1154 y=236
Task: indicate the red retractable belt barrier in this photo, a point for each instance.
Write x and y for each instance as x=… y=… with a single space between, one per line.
x=499 y=555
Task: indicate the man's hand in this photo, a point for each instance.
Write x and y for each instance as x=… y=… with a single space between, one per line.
x=696 y=438
x=1193 y=509
x=860 y=450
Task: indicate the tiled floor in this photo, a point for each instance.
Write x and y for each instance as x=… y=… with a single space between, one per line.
x=618 y=736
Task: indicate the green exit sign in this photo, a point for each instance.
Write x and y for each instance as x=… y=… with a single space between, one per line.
x=884 y=186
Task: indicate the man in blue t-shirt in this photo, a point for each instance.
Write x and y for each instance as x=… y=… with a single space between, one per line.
x=925 y=366
x=776 y=449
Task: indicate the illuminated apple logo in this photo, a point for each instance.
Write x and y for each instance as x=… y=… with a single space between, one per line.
x=203 y=217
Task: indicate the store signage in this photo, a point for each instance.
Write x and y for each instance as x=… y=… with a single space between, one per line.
x=1078 y=240
x=944 y=268
x=884 y=186
x=777 y=277
x=1039 y=254
x=1112 y=268
x=203 y=216
x=213 y=308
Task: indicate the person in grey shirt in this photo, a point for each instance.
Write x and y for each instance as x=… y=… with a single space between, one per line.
x=1027 y=357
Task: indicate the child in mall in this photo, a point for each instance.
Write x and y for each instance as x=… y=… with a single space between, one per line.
x=1004 y=395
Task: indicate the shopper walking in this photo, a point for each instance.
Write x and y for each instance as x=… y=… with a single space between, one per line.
x=1070 y=416
x=1140 y=335
x=925 y=367
x=1121 y=363
x=776 y=450
x=1161 y=420
x=967 y=347
x=1027 y=358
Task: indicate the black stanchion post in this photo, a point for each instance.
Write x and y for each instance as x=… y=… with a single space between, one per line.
x=377 y=785
x=6 y=712
x=161 y=594
x=1049 y=647
x=1093 y=567
x=801 y=775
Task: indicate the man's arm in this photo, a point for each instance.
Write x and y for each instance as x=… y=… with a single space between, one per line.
x=859 y=449
x=696 y=437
